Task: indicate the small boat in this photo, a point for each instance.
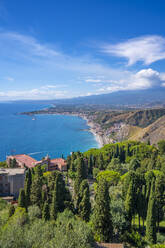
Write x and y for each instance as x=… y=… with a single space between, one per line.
x=33 y=119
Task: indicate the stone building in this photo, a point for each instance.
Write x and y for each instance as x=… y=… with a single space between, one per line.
x=11 y=180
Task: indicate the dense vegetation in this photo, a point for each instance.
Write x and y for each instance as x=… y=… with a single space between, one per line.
x=112 y=194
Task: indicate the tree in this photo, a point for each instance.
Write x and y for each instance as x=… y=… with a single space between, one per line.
x=27 y=187
x=36 y=187
x=112 y=177
x=102 y=221
x=100 y=162
x=45 y=211
x=83 y=202
x=54 y=206
x=130 y=202
x=22 y=199
x=151 y=217
x=11 y=210
x=161 y=146
x=81 y=175
x=159 y=193
x=12 y=163
x=90 y=165
x=134 y=164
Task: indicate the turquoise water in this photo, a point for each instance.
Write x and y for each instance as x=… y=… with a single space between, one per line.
x=47 y=134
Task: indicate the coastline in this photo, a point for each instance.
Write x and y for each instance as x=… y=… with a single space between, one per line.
x=92 y=129
x=98 y=134
x=99 y=139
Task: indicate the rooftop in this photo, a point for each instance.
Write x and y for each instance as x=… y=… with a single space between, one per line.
x=59 y=160
x=25 y=159
x=12 y=171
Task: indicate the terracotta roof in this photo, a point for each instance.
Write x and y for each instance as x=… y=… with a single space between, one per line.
x=108 y=245
x=25 y=159
x=58 y=161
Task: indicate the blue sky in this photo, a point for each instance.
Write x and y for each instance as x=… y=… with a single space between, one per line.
x=61 y=49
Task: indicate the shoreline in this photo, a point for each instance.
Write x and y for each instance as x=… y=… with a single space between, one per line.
x=92 y=129
x=98 y=137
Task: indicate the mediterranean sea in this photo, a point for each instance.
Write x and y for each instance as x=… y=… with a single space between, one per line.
x=55 y=135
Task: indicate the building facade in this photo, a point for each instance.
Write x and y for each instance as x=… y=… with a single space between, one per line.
x=11 y=180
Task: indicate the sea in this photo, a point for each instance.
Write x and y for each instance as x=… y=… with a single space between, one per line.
x=53 y=135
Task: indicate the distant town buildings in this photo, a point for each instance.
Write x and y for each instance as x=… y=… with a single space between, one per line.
x=11 y=180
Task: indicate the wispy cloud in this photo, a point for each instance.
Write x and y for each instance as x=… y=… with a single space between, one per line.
x=35 y=94
x=147 y=49
x=90 y=80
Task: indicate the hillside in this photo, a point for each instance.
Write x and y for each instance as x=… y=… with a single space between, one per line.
x=140 y=118
x=153 y=132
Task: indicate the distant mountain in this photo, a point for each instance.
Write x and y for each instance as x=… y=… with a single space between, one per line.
x=146 y=97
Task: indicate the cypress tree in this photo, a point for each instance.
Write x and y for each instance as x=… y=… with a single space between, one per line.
x=54 y=206
x=45 y=211
x=81 y=175
x=159 y=193
x=151 y=217
x=100 y=162
x=85 y=206
x=22 y=199
x=129 y=202
x=28 y=183
x=36 y=188
x=90 y=165
x=61 y=192
x=102 y=221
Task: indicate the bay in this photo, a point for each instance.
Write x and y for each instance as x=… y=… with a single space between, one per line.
x=55 y=135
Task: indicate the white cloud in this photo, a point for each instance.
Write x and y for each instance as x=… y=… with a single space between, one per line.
x=144 y=79
x=147 y=49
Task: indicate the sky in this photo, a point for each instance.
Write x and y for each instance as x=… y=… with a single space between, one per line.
x=62 y=49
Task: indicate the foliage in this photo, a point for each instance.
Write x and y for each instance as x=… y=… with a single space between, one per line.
x=11 y=210
x=102 y=220
x=81 y=174
x=151 y=217
x=112 y=177
x=34 y=212
x=161 y=146
x=134 y=239
x=22 y=199
x=3 y=204
x=83 y=202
